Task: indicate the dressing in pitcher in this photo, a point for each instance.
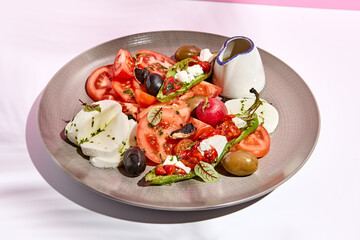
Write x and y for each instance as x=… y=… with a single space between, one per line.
x=238 y=68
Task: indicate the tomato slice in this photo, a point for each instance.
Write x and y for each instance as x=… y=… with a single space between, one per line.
x=204 y=89
x=258 y=143
x=124 y=64
x=144 y=99
x=153 y=62
x=99 y=86
x=155 y=141
x=179 y=106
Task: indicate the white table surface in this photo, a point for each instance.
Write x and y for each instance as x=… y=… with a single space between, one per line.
x=321 y=201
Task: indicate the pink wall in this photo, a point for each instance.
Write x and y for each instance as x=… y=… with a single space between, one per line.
x=328 y=4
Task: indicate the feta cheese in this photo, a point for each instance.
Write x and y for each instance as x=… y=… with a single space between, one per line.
x=239 y=122
x=195 y=70
x=218 y=142
x=183 y=76
x=206 y=55
x=174 y=160
x=190 y=73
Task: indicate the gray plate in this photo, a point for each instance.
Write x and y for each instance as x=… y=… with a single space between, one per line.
x=291 y=144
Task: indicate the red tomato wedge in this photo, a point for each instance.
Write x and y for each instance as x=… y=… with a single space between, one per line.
x=154 y=140
x=123 y=65
x=124 y=88
x=144 y=99
x=258 y=143
x=201 y=128
x=179 y=106
x=153 y=62
x=99 y=86
x=204 y=89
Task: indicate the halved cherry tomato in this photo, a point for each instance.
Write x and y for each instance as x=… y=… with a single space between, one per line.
x=182 y=145
x=201 y=128
x=155 y=140
x=169 y=169
x=99 y=86
x=191 y=162
x=258 y=143
x=153 y=62
x=159 y=170
x=144 y=99
x=124 y=65
x=204 y=89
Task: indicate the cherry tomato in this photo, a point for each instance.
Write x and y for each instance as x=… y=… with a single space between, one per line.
x=182 y=145
x=99 y=86
x=159 y=170
x=201 y=128
x=144 y=99
x=257 y=143
x=155 y=140
x=169 y=169
x=153 y=62
x=124 y=65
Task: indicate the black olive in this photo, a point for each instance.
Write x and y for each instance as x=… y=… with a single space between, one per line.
x=141 y=74
x=134 y=161
x=153 y=83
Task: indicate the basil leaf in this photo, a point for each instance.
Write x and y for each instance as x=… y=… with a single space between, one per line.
x=206 y=172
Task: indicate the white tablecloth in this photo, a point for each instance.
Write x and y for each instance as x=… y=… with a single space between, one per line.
x=321 y=201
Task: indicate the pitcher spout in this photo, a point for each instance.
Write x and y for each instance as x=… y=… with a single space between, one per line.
x=233 y=47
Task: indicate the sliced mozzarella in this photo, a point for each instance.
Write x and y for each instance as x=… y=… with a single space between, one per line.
x=87 y=124
x=130 y=138
x=106 y=162
x=103 y=160
x=107 y=142
x=267 y=113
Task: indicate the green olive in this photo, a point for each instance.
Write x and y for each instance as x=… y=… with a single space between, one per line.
x=240 y=163
x=184 y=52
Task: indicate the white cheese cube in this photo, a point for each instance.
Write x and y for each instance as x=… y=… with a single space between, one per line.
x=239 y=122
x=206 y=55
x=195 y=70
x=218 y=142
x=173 y=160
x=183 y=76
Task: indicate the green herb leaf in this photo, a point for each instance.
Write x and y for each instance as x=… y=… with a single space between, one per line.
x=207 y=172
x=154 y=116
x=91 y=107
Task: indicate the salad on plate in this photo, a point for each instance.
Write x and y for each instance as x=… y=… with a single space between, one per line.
x=148 y=109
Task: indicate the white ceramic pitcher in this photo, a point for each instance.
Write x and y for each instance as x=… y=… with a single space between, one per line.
x=238 y=68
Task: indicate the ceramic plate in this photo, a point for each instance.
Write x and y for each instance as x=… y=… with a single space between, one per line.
x=291 y=144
